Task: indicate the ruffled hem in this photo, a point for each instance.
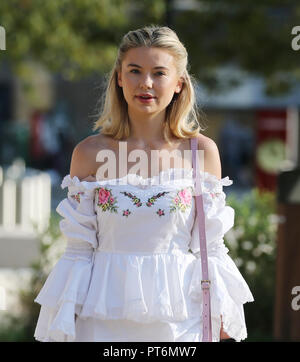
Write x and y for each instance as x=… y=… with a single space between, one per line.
x=53 y=326
x=62 y=296
x=228 y=292
x=164 y=177
x=129 y=290
x=121 y=286
x=172 y=175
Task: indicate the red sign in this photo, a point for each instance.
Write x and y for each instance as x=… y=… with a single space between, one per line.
x=271 y=135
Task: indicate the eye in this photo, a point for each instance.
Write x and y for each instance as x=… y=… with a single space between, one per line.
x=136 y=70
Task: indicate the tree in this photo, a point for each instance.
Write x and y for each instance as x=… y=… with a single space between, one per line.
x=254 y=36
x=72 y=37
x=79 y=37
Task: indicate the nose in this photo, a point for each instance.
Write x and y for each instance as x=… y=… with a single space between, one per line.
x=146 y=82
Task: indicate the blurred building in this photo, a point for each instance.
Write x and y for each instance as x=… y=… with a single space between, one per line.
x=257 y=135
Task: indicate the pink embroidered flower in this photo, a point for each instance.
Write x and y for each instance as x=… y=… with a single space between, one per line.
x=185 y=196
x=106 y=200
x=214 y=194
x=160 y=212
x=126 y=212
x=77 y=196
x=103 y=196
x=182 y=201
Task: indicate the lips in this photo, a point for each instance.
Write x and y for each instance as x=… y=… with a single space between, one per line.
x=145 y=100
x=145 y=96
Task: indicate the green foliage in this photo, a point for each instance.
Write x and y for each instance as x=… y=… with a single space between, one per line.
x=73 y=37
x=256 y=36
x=252 y=245
x=80 y=37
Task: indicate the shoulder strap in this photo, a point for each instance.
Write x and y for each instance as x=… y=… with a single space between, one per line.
x=205 y=282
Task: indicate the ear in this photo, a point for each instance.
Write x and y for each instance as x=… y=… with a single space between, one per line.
x=119 y=75
x=179 y=85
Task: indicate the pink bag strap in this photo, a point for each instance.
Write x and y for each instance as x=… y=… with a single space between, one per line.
x=205 y=282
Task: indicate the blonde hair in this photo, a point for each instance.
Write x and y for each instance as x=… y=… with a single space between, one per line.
x=181 y=114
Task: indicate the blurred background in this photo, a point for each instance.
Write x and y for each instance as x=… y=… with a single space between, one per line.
x=54 y=58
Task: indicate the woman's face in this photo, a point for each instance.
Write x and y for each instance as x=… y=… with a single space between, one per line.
x=148 y=70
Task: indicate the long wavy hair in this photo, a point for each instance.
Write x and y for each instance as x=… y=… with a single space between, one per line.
x=182 y=118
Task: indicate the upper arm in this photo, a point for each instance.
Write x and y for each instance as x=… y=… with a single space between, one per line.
x=82 y=161
x=212 y=162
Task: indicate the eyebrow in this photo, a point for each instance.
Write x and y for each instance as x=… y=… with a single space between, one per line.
x=138 y=66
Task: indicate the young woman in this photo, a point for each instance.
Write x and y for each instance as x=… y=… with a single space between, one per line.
x=131 y=270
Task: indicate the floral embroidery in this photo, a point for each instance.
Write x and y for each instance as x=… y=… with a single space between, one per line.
x=152 y=199
x=182 y=201
x=126 y=212
x=77 y=196
x=215 y=194
x=136 y=201
x=160 y=212
x=106 y=200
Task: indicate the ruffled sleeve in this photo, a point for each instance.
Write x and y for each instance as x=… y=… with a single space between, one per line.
x=228 y=291
x=63 y=294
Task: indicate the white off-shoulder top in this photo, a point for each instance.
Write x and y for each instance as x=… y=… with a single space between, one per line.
x=133 y=253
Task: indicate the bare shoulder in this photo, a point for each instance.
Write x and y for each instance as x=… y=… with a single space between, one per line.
x=83 y=161
x=212 y=162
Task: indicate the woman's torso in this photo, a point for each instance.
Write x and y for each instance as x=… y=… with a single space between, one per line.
x=156 y=209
